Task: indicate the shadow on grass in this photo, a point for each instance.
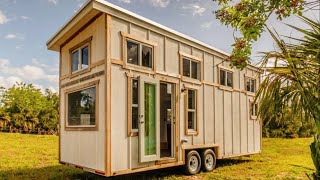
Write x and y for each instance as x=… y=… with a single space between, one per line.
x=64 y=172
x=229 y=162
x=303 y=167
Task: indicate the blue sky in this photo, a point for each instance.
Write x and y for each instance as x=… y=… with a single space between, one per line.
x=25 y=27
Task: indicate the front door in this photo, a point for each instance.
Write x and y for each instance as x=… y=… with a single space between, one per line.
x=149 y=119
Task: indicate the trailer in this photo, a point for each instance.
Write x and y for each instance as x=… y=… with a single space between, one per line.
x=138 y=96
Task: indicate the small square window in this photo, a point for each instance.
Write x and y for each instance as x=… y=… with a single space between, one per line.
x=191 y=69
x=226 y=78
x=132 y=53
x=251 y=85
x=80 y=58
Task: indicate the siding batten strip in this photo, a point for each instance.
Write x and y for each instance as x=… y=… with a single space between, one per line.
x=204 y=115
x=108 y=96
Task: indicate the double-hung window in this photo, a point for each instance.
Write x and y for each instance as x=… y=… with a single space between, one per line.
x=191 y=110
x=251 y=85
x=226 y=78
x=191 y=68
x=80 y=58
x=139 y=54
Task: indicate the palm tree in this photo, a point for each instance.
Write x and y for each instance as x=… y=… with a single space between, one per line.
x=293 y=80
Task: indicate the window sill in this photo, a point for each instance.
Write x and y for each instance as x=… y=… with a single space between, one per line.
x=250 y=93
x=253 y=117
x=79 y=72
x=81 y=128
x=138 y=68
x=133 y=134
x=227 y=88
x=191 y=132
x=190 y=80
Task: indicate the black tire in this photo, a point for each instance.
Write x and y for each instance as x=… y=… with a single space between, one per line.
x=208 y=159
x=192 y=165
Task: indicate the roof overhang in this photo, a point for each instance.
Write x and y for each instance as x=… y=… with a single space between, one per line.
x=68 y=30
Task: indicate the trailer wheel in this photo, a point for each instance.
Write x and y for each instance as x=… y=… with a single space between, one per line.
x=208 y=160
x=193 y=163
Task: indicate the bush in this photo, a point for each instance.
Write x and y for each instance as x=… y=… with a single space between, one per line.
x=282 y=126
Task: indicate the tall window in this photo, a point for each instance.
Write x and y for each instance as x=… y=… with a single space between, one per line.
x=191 y=68
x=192 y=110
x=253 y=109
x=135 y=105
x=139 y=54
x=226 y=78
x=251 y=85
x=80 y=58
x=82 y=108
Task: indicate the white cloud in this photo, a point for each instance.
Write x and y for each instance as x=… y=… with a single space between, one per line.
x=14 y=36
x=25 y=17
x=54 y=2
x=196 y=9
x=125 y=1
x=206 y=25
x=3 y=18
x=28 y=72
x=160 y=3
x=9 y=81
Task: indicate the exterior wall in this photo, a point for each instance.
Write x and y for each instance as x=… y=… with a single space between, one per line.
x=223 y=115
x=82 y=147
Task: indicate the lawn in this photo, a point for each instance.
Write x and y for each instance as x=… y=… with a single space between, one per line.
x=35 y=157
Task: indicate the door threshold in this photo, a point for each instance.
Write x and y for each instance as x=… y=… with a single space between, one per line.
x=165 y=160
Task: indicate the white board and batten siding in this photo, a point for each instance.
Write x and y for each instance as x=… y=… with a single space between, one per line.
x=223 y=114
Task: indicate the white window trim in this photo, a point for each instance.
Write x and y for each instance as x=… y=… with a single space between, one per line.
x=245 y=85
x=225 y=87
x=194 y=131
x=252 y=112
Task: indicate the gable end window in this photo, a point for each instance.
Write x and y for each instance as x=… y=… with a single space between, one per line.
x=139 y=54
x=251 y=85
x=226 y=78
x=191 y=68
x=80 y=58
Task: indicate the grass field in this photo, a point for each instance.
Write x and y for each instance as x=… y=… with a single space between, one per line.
x=35 y=157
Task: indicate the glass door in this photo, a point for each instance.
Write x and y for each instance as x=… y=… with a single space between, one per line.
x=149 y=119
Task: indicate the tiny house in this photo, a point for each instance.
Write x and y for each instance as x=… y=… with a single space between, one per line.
x=137 y=96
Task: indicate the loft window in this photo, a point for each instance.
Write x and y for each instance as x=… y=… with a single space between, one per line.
x=251 y=85
x=135 y=104
x=139 y=54
x=226 y=78
x=80 y=58
x=192 y=110
x=191 y=68
x=82 y=108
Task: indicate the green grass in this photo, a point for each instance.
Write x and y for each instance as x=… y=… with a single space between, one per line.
x=35 y=157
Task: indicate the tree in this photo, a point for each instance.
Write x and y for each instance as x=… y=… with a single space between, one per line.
x=295 y=83
x=249 y=18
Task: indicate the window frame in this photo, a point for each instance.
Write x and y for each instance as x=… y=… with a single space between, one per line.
x=196 y=110
x=253 y=106
x=226 y=71
x=82 y=127
x=79 y=47
x=191 y=58
x=141 y=42
x=130 y=132
x=255 y=85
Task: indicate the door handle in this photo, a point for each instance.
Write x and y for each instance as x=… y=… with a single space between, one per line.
x=141 y=121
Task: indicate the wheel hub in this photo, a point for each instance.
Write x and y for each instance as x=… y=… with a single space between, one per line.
x=209 y=161
x=194 y=163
